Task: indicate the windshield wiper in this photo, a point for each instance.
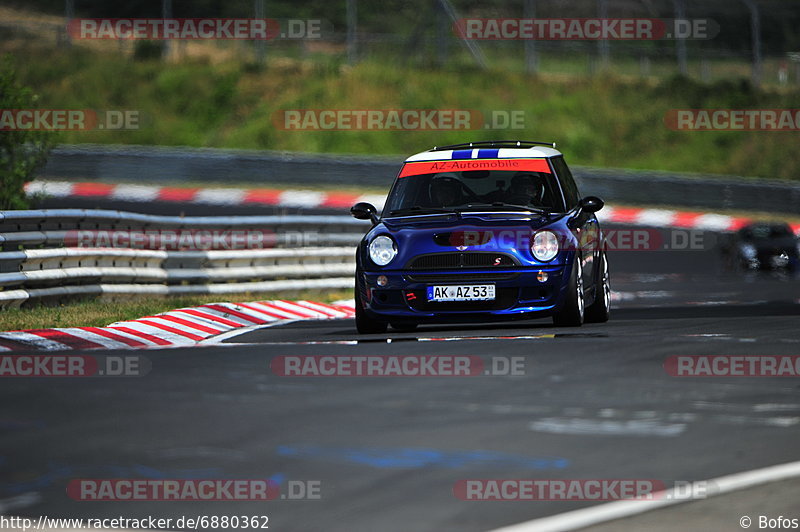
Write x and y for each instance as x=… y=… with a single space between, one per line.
x=502 y=205
x=417 y=209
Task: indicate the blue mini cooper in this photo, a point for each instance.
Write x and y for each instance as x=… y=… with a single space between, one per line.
x=480 y=232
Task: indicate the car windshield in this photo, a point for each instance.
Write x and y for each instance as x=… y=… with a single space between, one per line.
x=473 y=190
x=759 y=232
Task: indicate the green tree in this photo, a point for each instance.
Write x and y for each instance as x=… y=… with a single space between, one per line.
x=21 y=152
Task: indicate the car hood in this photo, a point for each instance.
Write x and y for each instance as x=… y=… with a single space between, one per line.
x=775 y=245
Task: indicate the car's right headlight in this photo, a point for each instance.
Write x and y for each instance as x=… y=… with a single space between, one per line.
x=382 y=250
x=748 y=251
x=544 y=246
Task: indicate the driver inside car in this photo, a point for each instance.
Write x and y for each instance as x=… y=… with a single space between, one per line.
x=525 y=189
x=445 y=190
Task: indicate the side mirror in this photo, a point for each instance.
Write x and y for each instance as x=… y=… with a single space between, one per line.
x=364 y=211
x=591 y=204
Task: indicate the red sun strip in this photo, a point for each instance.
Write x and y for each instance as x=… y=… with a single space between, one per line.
x=509 y=165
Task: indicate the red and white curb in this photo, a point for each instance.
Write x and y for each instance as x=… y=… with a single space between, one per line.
x=176 y=328
x=664 y=218
x=310 y=199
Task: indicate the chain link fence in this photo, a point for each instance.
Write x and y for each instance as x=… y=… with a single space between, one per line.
x=753 y=39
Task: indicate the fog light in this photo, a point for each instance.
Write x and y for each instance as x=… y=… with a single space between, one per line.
x=541 y=277
x=383 y=280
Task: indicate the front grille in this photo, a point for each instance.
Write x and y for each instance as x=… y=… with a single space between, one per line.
x=451 y=261
x=438 y=261
x=461 y=277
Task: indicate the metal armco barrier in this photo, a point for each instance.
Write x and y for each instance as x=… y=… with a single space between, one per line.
x=176 y=165
x=39 y=258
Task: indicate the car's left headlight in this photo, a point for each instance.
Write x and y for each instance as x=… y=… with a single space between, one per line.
x=544 y=246
x=382 y=250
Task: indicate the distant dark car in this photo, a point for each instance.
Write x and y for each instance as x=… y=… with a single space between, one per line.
x=764 y=246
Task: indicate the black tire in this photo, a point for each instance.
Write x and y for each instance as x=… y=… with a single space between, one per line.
x=365 y=324
x=405 y=327
x=572 y=311
x=600 y=310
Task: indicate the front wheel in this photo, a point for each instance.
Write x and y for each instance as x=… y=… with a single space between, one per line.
x=600 y=309
x=571 y=312
x=365 y=324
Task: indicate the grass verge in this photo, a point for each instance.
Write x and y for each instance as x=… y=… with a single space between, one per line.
x=605 y=120
x=102 y=312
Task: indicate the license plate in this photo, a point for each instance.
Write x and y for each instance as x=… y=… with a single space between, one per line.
x=471 y=292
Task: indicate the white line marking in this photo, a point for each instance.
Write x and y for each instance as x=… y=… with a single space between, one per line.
x=20 y=501
x=636 y=427
x=602 y=513
x=236 y=332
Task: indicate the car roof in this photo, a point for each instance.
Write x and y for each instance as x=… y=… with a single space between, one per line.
x=485 y=153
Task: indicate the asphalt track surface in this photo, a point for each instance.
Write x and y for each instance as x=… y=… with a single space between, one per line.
x=592 y=403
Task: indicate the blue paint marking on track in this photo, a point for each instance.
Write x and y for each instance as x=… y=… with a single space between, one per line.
x=413 y=458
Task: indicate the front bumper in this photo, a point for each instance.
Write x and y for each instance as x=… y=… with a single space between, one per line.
x=518 y=294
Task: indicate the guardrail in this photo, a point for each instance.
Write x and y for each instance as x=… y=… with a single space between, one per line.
x=176 y=165
x=43 y=256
